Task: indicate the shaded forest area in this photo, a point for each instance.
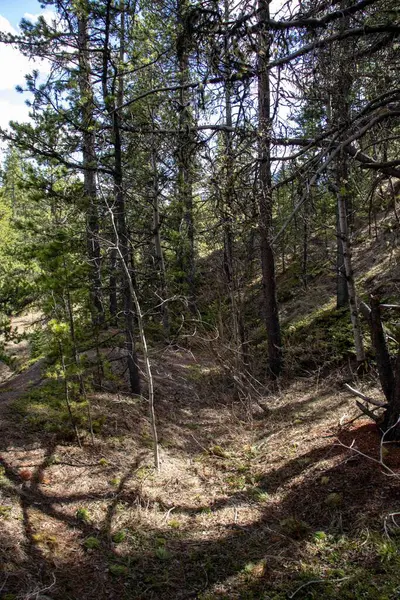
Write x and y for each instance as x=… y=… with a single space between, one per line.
x=199 y=303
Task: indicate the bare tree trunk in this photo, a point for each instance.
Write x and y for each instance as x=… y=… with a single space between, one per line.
x=389 y=378
x=185 y=157
x=227 y=214
x=341 y=105
x=119 y=198
x=342 y=292
x=306 y=219
x=158 y=252
x=113 y=287
x=351 y=288
x=393 y=417
x=70 y=313
x=143 y=339
x=89 y=176
x=275 y=360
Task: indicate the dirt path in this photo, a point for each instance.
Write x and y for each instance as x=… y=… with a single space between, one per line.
x=13 y=381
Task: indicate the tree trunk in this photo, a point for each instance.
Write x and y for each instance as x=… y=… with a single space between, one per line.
x=389 y=378
x=392 y=416
x=275 y=360
x=89 y=176
x=346 y=246
x=227 y=215
x=113 y=287
x=119 y=202
x=158 y=252
x=304 y=266
x=342 y=293
x=185 y=158
x=346 y=290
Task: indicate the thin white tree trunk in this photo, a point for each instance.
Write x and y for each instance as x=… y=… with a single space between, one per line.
x=139 y=315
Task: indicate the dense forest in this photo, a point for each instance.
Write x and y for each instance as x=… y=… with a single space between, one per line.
x=199 y=302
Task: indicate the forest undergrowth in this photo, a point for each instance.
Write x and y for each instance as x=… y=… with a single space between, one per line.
x=199 y=302
x=283 y=494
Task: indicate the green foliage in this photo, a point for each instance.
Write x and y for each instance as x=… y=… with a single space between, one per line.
x=118 y=570
x=324 y=337
x=388 y=551
x=119 y=537
x=162 y=553
x=258 y=494
x=334 y=500
x=83 y=515
x=5 y=511
x=45 y=539
x=45 y=409
x=92 y=543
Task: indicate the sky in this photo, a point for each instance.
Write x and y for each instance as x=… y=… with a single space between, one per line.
x=13 y=66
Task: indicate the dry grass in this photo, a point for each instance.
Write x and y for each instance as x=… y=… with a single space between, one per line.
x=232 y=512
x=251 y=503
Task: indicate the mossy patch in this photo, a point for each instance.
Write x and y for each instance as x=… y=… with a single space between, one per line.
x=45 y=409
x=323 y=337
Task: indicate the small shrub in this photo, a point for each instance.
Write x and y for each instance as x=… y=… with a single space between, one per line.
x=334 y=500
x=119 y=537
x=53 y=459
x=388 y=551
x=162 y=553
x=258 y=494
x=44 y=539
x=143 y=472
x=4 y=511
x=118 y=570
x=218 y=451
x=174 y=524
x=91 y=543
x=83 y=515
x=249 y=568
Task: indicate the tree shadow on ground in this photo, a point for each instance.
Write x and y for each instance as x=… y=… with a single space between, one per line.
x=328 y=489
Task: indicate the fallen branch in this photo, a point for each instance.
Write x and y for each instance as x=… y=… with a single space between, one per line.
x=390 y=472
x=317 y=581
x=366 y=398
x=366 y=411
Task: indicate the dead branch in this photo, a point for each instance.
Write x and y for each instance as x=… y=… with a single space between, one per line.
x=366 y=398
x=366 y=411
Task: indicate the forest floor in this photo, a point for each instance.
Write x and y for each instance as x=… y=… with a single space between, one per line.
x=271 y=502
x=282 y=497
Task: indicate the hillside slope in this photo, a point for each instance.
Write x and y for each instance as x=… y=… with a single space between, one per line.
x=278 y=498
